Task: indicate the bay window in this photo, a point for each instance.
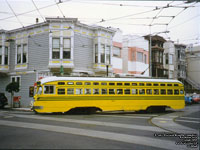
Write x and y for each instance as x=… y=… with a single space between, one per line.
x=61 y=48
x=66 y=48
x=0 y=55
x=56 y=48
x=19 y=51
x=25 y=50
x=96 y=53
x=22 y=52
x=102 y=52
x=107 y=54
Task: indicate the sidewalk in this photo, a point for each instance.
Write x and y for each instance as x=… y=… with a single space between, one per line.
x=18 y=109
x=22 y=109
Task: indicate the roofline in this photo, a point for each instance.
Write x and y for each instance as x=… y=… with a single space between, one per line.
x=49 y=20
x=28 y=27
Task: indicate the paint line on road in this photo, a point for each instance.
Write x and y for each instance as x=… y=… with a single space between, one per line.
x=100 y=123
x=132 y=117
x=188 y=121
x=141 y=140
x=190 y=118
x=163 y=118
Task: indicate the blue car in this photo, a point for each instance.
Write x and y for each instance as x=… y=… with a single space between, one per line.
x=188 y=99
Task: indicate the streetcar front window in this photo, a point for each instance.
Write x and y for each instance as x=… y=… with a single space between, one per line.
x=39 y=90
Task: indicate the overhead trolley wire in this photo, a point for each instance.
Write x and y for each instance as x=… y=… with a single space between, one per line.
x=14 y=13
x=38 y=10
x=57 y=4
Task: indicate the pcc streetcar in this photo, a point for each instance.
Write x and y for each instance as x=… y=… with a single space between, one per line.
x=61 y=94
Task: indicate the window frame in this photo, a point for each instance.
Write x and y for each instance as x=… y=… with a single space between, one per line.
x=49 y=86
x=60 y=88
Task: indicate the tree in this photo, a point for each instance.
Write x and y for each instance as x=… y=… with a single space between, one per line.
x=11 y=88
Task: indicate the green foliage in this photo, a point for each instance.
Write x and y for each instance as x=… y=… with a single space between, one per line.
x=12 y=87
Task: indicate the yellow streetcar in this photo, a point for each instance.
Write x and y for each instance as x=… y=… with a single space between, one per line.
x=61 y=94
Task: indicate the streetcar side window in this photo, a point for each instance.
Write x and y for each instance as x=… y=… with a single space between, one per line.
x=87 y=83
x=162 y=84
x=61 y=83
x=176 y=92
x=96 y=83
x=155 y=84
x=111 y=91
x=141 y=84
x=119 y=91
x=87 y=91
x=156 y=91
x=119 y=84
x=79 y=83
x=134 y=91
x=169 y=84
x=127 y=84
x=95 y=91
x=48 y=89
x=79 y=91
x=61 y=91
x=181 y=92
x=134 y=84
x=141 y=91
x=149 y=91
x=169 y=92
x=70 y=83
x=148 y=84
x=70 y=91
x=111 y=83
x=103 y=83
x=127 y=91
x=163 y=92
x=103 y=91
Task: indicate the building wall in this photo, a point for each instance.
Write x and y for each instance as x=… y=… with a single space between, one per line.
x=170 y=63
x=180 y=61
x=117 y=61
x=38 y=52
x=132 y=46
x=193 y=62
x=83 y=53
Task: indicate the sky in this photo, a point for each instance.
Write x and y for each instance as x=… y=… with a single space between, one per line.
x=174 y=20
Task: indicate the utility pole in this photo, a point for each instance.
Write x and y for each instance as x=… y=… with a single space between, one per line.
x=150 y=67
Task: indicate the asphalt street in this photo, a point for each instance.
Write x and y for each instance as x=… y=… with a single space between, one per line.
x=114 y=130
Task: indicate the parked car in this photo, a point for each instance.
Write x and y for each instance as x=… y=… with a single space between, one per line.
x=3 y=100
x=188 y=99
x=196 y=98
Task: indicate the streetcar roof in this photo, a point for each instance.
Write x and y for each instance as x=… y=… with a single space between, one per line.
x=54 y=78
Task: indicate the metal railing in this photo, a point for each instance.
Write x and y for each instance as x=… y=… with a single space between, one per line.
x=193 y=83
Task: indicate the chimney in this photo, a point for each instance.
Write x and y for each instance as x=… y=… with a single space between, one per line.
x=37 y=20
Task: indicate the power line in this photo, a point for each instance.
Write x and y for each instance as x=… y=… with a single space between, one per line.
x=14 y=13
x=184 y=22
x=57 y=4
x=38 y=10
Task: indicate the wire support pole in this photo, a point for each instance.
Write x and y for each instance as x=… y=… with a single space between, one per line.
x=150 y=66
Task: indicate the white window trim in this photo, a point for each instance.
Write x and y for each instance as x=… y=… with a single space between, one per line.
x=16 y=79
